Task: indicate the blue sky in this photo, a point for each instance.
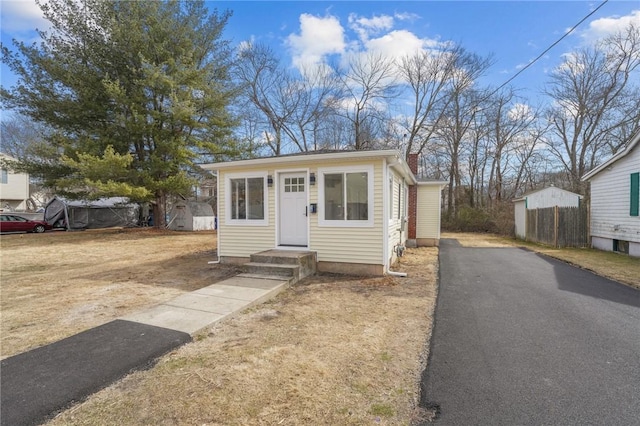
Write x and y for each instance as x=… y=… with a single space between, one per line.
x=515 y=32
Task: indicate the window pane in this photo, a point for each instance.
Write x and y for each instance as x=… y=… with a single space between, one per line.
x=256 y=198
x=357 y=197
x=333 y=197
x=238 y=210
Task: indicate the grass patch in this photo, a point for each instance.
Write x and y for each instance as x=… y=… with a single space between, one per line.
x=382 y=410
x=319 y=353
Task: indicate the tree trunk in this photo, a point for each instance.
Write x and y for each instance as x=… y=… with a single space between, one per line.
x=160 y=210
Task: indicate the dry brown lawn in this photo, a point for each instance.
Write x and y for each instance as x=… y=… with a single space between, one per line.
x=57 y=284
x=615 y=266
x=330 y=350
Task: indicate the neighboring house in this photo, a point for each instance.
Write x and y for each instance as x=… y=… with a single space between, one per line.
x=615 y=201
x=541 y=199
x=14 y=188
x=191 y=216
x=357 y=210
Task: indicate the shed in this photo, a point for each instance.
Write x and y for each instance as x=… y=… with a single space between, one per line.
x=192 y=216
x=615 y=201
x=541 y=199
x=94 y=214
x=354 y=209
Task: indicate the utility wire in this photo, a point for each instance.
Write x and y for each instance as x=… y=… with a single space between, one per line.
x=550 y=47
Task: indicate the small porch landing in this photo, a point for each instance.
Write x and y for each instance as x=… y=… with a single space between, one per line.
x=294 y=264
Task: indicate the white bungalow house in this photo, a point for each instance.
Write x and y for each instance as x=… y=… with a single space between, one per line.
x=356 y=210
x=615 y=201
x=14 y=188
x=541 y=199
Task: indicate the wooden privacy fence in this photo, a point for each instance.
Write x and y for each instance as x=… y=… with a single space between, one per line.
x=559 y=226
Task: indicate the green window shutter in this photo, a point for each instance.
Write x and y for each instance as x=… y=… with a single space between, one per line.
x=635 y=194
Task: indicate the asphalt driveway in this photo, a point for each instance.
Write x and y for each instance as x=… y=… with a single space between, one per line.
x=522 y=339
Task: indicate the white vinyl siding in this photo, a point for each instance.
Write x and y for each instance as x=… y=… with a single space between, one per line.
x=610 y=200
x=520 y=218
x=350 y=244
x=14 y=188
x=428 y=211
x=341 y=242
x=241 y=238
x=397 y=211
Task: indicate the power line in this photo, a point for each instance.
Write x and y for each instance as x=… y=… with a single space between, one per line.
x=550 y=47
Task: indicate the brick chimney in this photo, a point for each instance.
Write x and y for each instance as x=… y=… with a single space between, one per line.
x=412 y=161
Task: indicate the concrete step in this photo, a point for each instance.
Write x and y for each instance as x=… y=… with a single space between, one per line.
x=306 y=260
x=283 y=270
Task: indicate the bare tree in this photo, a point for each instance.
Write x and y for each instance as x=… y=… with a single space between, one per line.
x=460 y=116
x=367 y=84
x=428 y=75
x=266 y=85
x=317 y=94
x=591 y=92
x=509 y=122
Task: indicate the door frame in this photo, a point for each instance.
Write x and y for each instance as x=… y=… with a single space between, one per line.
x=279 y=174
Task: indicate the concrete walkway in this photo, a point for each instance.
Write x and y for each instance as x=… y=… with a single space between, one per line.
x=197 y=310
x=37 y=384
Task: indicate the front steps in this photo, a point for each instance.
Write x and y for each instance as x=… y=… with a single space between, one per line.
x=294 y=265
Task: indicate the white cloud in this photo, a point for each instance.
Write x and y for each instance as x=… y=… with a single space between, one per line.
x=366 y=27
x=318 y=37
x=19 y=18
x=603 y=27
x=399 y=43
x=406 y=16
x=520 y=111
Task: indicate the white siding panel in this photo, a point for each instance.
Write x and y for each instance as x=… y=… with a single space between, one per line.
x=351 y=245
x=332 y=244
x=242 y=241
x=520 y=218
x=551 y=197
x=394 y=225
x=610 y=197
x=428 y=212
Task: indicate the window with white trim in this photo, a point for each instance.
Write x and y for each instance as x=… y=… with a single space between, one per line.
x=346 y=197
x=4 y=176
x=246 y=197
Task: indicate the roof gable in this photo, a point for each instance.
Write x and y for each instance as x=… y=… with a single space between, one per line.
x=616 y=157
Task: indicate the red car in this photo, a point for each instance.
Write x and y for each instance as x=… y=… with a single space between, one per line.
x=13 y=223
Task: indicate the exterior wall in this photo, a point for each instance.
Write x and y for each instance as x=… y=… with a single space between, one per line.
x=350 y=244
x=610 y=205
x=520 y=213
x=428 y=214
x=396 y=226
x=333 y=244
x=551 y=197
x=15 y=192
x=204 y=223
x=242 y=241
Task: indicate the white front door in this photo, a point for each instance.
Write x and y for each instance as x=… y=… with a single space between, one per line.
x=293 y=209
